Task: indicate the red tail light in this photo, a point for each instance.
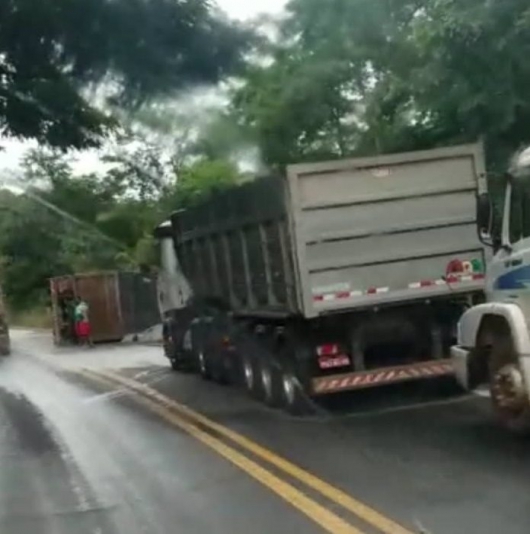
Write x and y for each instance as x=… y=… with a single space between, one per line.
x=328 y=349
x=454 y=267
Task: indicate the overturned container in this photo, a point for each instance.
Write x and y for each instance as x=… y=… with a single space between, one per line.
x=120 y=304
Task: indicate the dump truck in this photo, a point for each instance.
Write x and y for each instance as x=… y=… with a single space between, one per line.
x=493 y=345
x=337 y=276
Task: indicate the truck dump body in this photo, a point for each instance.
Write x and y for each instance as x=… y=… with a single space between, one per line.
x=236 y=246
x=338 y=235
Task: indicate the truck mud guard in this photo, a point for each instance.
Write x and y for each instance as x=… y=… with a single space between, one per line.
x=379 y=377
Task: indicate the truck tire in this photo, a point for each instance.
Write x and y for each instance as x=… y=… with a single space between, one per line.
x=169 y=353
x=293 y=397
x=508 y=391
x=203 y=364
x=250 y=371
x=169 y=348
x=270 y=377
x=218 y=369
x=295 y=358
x=176 y=363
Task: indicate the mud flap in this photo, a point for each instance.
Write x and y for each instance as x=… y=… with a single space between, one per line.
x=460 y=359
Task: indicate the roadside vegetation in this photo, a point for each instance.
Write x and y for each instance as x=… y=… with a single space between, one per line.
x=332 y=79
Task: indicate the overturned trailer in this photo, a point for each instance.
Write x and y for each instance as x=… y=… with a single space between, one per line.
x=120 y=303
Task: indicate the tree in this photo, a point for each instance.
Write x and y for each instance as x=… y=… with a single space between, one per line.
x=299 y=108
x=54 y=228
x=51 y=49
x=471 y=72
x=200 y=179
x=364 y=77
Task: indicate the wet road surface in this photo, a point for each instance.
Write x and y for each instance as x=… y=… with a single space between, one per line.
x=76 y=458
x=75 y=461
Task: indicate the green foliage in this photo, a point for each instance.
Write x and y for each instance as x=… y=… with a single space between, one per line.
x=200 y=179
x=36 y=317
x=66 y=223
x=49 y=49
x=365 y=77
x=344 y=77
x=297 y=109
x=224 y=138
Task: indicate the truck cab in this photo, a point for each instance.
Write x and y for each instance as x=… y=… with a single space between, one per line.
x=493 y=342
x=174 y=294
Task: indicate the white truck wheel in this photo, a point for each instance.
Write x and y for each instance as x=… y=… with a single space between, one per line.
x=507 y=387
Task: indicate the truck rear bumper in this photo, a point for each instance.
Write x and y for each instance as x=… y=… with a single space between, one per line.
x=460 y=361
x=389 y=375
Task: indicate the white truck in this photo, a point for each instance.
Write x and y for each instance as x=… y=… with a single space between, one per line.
x=337 y=276
x=493 y=342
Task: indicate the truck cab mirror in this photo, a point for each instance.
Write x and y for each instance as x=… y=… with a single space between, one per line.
x=484 y=218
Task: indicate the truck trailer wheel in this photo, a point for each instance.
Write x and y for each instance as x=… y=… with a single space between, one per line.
x=203 y=364
x=507 y=386
x=293 y=397
x=169 y=353
x=271 y=383
x=251 y=376
x=219 y=370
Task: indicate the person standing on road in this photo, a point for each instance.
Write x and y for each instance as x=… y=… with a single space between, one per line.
x=82 y=323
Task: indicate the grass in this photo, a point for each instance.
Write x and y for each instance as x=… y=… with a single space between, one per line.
x=35 y=318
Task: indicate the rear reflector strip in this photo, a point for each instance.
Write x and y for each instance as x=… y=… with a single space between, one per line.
x=427 y=283
x=453 y=279
x=422 y=284
x=449 y=280
x=349 y=294
x=365 y=379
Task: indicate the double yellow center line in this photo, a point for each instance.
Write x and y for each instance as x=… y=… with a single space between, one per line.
x=205 y=430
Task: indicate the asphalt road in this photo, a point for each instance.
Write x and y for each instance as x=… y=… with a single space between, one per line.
x=78 y=454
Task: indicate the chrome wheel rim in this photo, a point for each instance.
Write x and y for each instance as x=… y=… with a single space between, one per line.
x=509 y=389
x=266 y=380
x=202 y=362
x=249 y=374
x=288 y=388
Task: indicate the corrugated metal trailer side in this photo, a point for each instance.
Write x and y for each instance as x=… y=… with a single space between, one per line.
x=378 y=230
x=120 y=303
x=138 y=301
x=236 y=247
x=100 y=291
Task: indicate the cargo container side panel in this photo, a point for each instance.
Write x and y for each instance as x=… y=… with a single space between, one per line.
x=138 y=302
x=360 y=226
x=100 y=293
